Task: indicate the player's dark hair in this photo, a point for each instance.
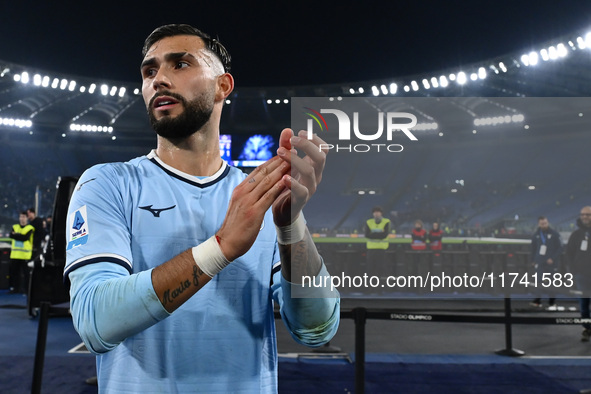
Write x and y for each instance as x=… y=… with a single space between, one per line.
x=377 y=209
x=31 y=210
x=187 y=30
x=542 y=218
x=23 y=213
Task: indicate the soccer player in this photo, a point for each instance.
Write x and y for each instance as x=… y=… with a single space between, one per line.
x=175 y=258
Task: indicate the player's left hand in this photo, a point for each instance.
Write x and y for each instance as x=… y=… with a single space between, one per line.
x=306 y=173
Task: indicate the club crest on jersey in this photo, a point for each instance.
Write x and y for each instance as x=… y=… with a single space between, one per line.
x=78 y=228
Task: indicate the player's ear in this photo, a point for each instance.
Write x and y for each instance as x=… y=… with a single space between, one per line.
x=225 y=85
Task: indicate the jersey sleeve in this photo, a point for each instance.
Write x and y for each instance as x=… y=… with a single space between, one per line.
x=109 y=305
x=97 y=228
x=311 y=315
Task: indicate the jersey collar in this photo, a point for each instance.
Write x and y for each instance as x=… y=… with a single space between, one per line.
x=191 y=179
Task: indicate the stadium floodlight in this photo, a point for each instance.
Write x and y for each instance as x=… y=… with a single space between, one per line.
x=572 y=45
x=136 y=91
x=406 y=88
x=372 y=192
x=473 y=76
x=4 y=72
x=393 y=88
x=525 y=59
x=113 y=91
x=351 y=91
x=461 y=78
x=452 y=77
x=72 y=86
x=581 y=43
x=414 y=85
x=92 y=88
x=552 y=53
x=269 y=101
x=17 y=77
x=361 y=192
x=277 y=101
x=63 y=84
x=113 y=138
x=561 y=50
x=384 y=89
x=25 y=77
x=82 y=89
x=426 y=126
x=122 y=91
x=443 y=81
x=361 y=90
x=496 y=120
x=45 y=81
x=544 y=54
x=285 y=101
x=533 y=58
x=434 y=82
x=37 y=80
x=426 y=84
x=91 y=128
x=104 y=90
x=503 y=67
x=588 y=40
x=375 y=91
x=481 y=73
x=531 y=187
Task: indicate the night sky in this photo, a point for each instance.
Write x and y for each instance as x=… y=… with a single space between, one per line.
x=287 y=43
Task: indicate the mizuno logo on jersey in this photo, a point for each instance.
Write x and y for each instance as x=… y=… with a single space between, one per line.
x=156 y=211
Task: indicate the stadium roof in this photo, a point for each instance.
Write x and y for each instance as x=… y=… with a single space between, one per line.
x=67 y=69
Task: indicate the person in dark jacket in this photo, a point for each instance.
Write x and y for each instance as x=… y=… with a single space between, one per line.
x=39 y=234
x=546 y=248
x=578 y=254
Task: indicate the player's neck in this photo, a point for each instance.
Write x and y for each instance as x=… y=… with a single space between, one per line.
x=197 y=155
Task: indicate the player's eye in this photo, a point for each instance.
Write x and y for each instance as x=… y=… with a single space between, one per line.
x=181 y=64
x=149 y=72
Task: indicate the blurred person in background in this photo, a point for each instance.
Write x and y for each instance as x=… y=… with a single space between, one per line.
x=22 y=235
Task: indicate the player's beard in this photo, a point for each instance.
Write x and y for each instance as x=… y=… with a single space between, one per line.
x=195 y=115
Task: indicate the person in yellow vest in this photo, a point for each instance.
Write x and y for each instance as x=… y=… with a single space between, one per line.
x=20 y=254
x=376 y=231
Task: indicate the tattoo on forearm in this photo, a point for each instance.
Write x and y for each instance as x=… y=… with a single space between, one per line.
x=196 y=274
x=171 y=294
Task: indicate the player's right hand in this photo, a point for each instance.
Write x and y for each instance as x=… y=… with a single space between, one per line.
x=250 y=200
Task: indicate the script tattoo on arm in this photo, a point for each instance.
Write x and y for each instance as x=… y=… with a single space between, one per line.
x=169 y=296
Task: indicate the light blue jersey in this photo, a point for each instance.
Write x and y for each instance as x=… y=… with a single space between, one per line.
x=127 y=218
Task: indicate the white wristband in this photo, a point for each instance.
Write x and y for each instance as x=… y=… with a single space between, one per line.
x=292 y=233
x=209 y=257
